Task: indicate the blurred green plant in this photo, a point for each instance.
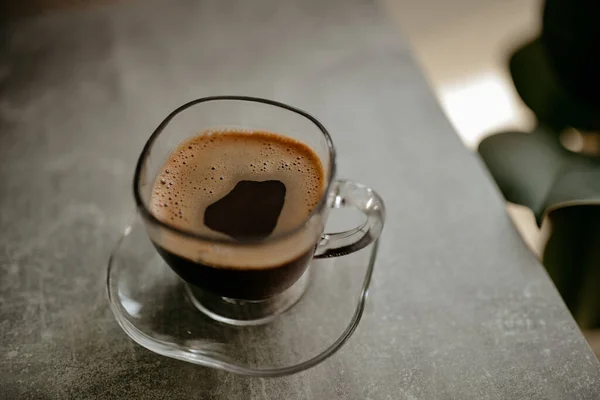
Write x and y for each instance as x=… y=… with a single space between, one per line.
x=558 y=77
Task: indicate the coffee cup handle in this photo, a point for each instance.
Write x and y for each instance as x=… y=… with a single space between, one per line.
x=364 y=199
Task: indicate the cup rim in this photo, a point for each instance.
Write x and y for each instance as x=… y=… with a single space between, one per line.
x=150 y=217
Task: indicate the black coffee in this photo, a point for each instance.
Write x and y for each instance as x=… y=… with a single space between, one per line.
x=250 y=210
x=246 y=284
x=241 y=186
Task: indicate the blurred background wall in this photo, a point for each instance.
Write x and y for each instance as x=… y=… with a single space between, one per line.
x=463 y=48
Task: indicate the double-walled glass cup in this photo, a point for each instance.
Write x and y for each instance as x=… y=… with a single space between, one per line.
x=263 y=277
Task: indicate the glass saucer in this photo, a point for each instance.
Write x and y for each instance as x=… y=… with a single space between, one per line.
x=152 y=305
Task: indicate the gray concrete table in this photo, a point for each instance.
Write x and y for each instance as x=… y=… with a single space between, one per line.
x=459 y=309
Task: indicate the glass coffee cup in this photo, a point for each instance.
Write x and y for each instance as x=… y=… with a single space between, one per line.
x=249 y=280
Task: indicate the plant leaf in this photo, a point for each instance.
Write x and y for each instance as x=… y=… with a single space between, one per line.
x=577 y=184
x=540 y=88
x=524 y=165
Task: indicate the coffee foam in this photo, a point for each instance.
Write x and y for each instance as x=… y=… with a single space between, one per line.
x=205 y=168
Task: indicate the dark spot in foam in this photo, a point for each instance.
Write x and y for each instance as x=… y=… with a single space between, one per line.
x=250 y=210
